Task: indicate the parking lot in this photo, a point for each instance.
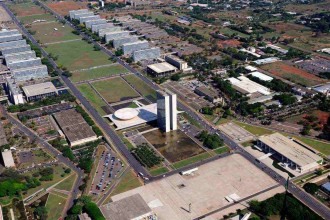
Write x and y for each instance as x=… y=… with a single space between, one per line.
x=108 y=168
x=315 y=65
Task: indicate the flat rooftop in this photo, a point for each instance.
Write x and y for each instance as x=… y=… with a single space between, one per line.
x=73 y=125
x=323 y=89
x=39 y=89
x=266 y=60
x=205 y=189
x=262 y=76
x=8 y=159
x=145 y=114
x=126 y=209
x=245 y=84
x=162 y=67
x=177 y=59
x=207 y=91
x=134 y=43
x=22 y=61
x=290 y=149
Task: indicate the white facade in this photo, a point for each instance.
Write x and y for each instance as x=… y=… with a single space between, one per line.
x=166 y=111
x=177 y=62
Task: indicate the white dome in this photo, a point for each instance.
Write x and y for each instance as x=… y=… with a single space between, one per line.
x=126 y=113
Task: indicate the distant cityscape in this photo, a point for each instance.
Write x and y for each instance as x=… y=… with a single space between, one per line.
x=137 y=109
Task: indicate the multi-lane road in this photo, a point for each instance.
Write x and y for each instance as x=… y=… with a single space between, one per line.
x=118 y=143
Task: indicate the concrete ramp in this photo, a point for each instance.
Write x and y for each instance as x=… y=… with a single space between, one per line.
x=265 y=156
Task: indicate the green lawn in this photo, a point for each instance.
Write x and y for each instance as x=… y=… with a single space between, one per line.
x=258 y=131
x=158 y=171
x=58 y=171
x=98 y=73
x=115 y=90
x=221 y=150
x=141 y=86
x=67 y=183
x=128 y=181
x=229 y=32
x=92 y=97
x=322 y=147
x=77 y=55
x=191 y=160
x=31 y=18
x=53 y=32
x=55 y=205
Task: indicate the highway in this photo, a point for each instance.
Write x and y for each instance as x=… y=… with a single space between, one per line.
x=303 y=196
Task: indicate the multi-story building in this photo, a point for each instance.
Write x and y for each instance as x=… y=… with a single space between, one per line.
x=177 y=62
x=166 y=111
x=39 y=91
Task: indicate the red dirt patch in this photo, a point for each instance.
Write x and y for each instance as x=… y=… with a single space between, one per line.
x=322 y=116
x=33 y=10
x=228 y=43
x=293 y=74
x=63 y=7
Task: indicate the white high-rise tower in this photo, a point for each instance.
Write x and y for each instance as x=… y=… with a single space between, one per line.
x=166 y=110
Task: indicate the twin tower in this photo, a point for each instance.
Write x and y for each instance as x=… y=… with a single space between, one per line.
x=167 y=111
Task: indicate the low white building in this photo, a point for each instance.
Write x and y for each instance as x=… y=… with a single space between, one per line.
x=262 y=76
x=8 y=158
x=246 y=86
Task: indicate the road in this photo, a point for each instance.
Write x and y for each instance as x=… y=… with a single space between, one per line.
x=306 y=198
x=52 y=150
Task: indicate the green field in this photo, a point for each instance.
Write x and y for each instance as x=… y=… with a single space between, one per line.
x=77 y=55
x=26 y=9
x=115 y=90
x=55 y=205
x=158 y=171
x=320 y=146
x=221 y=150
x=58 y=171
x=229 y=32
x=258 y=131
x=128 y=181
x=31 y=18
x=141 y=86
x=67 y=183
x=52 y=32
x=92 y=97
x=191 y=160
x=98 y=73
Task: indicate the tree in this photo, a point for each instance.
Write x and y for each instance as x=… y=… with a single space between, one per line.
x=311 y=188
x=41 y=212
x=285 y=98
x=93 y=211
x=207 y=110
x=326 y=130
x=67 y=74
x=175 y=77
